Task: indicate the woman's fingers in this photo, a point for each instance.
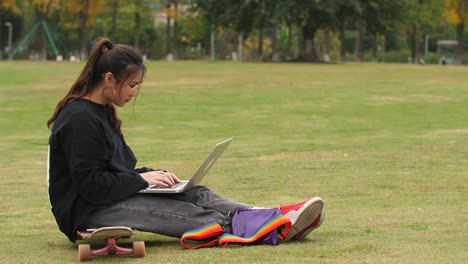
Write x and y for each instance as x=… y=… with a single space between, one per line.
x=173 y=177
x=168 y=178
x=160 y=178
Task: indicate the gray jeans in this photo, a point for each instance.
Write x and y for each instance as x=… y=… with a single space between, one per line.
x=167 y=214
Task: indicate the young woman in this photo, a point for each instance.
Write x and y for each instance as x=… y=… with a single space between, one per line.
x=93 y=181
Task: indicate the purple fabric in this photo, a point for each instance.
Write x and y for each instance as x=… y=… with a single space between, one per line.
x=246 y=222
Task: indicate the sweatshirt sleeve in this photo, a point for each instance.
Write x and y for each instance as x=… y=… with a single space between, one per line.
x=146 y=169
x=87 y=151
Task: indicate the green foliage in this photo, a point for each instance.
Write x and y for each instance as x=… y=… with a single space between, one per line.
x=428 y=13
x=312 y=13
x=240 y=15
x=347 y=12
x=194 y=29
x=125 y=22
x=383 y=16
x=395 y=20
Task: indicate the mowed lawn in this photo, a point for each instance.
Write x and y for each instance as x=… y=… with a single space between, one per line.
x=385 y=145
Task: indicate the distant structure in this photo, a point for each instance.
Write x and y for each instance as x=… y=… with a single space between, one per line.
x=446 y=51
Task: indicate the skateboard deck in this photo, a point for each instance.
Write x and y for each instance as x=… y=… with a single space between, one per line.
x=110 y=234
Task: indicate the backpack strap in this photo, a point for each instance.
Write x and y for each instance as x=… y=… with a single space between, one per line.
x=279 y=222
x=203 y=236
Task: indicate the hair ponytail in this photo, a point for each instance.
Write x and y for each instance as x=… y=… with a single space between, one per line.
x=121 y=60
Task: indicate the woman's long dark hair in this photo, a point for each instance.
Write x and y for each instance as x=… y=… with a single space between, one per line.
x=121 y=60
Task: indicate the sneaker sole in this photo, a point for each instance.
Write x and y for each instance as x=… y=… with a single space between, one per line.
x=304 y=216
x=306 y=233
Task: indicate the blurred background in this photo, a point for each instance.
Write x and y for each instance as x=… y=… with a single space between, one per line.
x=405 y=31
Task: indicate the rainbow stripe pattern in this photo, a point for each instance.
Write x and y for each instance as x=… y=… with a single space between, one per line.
x=265 y=229
x=203 y=236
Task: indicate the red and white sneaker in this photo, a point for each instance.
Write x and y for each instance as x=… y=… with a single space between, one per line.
x=304 y=216
x=312 y=226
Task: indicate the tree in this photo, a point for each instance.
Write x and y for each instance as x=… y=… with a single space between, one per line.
x=137 y=25
x=11 y=5
x=147 y=36
x=311 y=15
x=282 y=15
x=43 y=9
x=115 y=11
x=260 y=9
x=347 y=11
x=194 y=30
x=457 y=13
x=175 y=27
x=171 y=11
x=382 y=17
x=268 y=14
x=237 y=15
x=169 y=14
x=81 y=14
x=420 y=15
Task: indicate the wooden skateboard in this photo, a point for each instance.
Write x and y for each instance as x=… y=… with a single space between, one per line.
x=110 y=235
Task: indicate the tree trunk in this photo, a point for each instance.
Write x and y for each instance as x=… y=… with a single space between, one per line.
x=168 y=29
x=326 y=45
x=212 y=43
x=136 y=29
x=241 y=46
x=115 y=9
x=415 y=54
x=308 y=49
x=289 y=52
x=383 y=48
x=374 y=48
x=359 y=54
x=459 y=51
x=42 y=16
x=84 y=29
x=342 y=41
x=415 y=44
x=176 y=29
x=274 y=45
x=260 y=44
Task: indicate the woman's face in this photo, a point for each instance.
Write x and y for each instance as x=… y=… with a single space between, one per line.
x=123 y=91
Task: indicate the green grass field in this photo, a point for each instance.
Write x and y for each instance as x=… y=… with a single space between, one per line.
x=384 y=145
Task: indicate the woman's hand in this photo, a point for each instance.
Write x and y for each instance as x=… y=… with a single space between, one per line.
x=160 y=178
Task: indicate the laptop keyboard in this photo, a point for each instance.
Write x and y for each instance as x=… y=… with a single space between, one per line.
x=173 y=186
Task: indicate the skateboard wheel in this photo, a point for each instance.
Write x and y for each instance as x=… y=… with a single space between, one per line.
x=139 y=249
x=84 y=252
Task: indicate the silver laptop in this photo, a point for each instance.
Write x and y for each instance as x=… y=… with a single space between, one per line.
x=197 y=176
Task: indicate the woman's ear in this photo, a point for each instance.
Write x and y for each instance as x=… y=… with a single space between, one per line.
x=109 y=79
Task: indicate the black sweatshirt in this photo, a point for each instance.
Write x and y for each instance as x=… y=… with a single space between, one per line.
x=90 y=165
